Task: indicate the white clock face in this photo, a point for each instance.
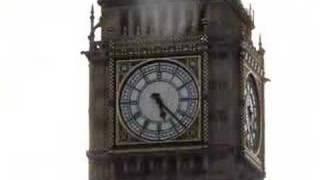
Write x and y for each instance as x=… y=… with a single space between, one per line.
x=252 y=120
x=159 y=100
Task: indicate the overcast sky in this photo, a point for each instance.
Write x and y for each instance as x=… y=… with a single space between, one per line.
x=44 y=88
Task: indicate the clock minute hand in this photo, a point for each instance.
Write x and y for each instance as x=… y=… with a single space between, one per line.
x=172 y=114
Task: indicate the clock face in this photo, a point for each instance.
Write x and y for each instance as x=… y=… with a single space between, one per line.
x=159 y=100
x=252 y=116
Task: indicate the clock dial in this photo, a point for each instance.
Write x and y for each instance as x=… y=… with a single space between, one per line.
x=159 y=100
x=252 y=117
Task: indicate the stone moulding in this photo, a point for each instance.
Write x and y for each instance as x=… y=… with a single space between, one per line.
x=144 y=47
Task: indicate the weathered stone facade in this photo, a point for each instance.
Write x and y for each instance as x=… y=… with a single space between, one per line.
x=219 y=31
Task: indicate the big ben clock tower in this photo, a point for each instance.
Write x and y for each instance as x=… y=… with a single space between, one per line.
x=176 y=92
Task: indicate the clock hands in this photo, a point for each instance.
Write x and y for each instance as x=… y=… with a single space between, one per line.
x=162 y=106
x=157 y=98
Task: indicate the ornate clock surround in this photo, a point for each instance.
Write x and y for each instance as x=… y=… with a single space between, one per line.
x=252 y=109
x=252 y=67
x=190 y=52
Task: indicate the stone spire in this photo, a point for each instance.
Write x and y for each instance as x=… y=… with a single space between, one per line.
x=261 y=49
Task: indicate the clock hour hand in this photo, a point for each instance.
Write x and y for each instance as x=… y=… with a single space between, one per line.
x=157 y=98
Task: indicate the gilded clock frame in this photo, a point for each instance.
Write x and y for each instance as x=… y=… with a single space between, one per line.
x=121 y=83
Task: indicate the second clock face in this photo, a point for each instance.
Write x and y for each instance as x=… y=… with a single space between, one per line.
x=252 y=116
x=159 y=100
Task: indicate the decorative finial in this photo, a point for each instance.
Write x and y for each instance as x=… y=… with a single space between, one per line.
x=260 y=41
x=261 y=49
x=92 y=8
x=92 y=16
x=91 y=36
x=204 y=24
x=253 y=14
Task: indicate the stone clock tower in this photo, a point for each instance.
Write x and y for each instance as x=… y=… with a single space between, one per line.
x=176 y=92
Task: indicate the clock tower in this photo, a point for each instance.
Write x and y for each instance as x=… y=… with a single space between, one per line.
x=176 y=92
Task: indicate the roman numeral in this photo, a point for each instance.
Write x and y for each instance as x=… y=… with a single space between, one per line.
x=174 y=125
x=184 y=85
x=148 y=81
x=129 y=102
x=159 y=72
x=174 y=73
x=133 y=87
x=159 y=129
x=159 y=75
x=145 y=125
x=137 y=115
x=188 y=99
x=183 y=113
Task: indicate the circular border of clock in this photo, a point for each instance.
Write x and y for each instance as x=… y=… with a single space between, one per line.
x=158 y=100
x=252 y=125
